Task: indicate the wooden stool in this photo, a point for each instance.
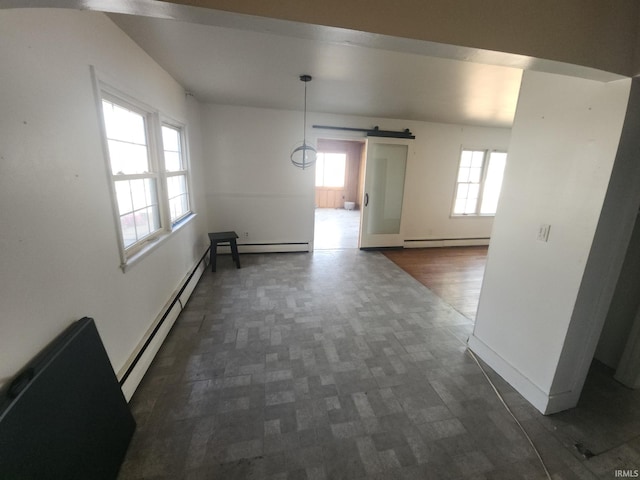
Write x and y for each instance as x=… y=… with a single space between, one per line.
x=223 y=238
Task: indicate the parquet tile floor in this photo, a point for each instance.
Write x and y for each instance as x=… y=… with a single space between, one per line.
x=340 y=365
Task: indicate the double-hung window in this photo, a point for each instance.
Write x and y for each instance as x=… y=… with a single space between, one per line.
x=134 y=175
x=479 y=182
x=149 y=174
x=176 y=172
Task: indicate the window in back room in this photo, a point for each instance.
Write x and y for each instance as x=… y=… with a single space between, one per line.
x=330 y=169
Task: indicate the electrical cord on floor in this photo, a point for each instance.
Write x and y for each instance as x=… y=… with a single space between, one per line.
x=501 y=398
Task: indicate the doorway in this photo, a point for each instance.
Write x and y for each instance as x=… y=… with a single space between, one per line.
x=338 y=193
x=386 y=162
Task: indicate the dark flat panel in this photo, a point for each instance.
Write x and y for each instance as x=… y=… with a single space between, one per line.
x=70 y=420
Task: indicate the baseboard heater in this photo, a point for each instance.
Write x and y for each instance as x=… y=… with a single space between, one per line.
x=278 y=247
x=446 y=242
x=64 y=416
x=136 y=368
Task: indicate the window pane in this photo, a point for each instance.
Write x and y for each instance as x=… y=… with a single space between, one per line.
x=179 y=207
x=319 y=169
x=176 y=185
x=465 y=159
x=330 y=169
x=150 y=191
x=143 y=228
x=140 y=196
x=469 y=181
x=334 y=169
x=463 y=174
x=477 y=159
x=172 y=161
x=127 y=139
x=172 y=149
x=128 y=226
x=493 y=182
x=138 y=193
x=123 y=124
x=470 y=206
x=178 y=196
x=463 y=191
x=123 y=195
x=475 y=174
x=138 y=206
x=184 y=201
x=153 y=217
x=170 y=139
x=128 y=158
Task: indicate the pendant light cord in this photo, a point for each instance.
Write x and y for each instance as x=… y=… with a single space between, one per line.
x=304 y=150
x=304 y=123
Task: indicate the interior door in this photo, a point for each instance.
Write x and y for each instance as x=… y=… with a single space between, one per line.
x=385 y=168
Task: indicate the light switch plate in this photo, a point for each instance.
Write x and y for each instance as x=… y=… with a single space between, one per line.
x=543 y=232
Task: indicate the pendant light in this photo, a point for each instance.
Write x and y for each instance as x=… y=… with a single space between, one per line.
x=305 y=155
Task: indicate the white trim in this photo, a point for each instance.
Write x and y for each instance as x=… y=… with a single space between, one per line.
x=483 y=177
x=529 y=390
x=562 y=401
x=151 y=124
x=97 y=90
x=170 y=122
x=154 y=120
x=546 y=403
x=154 y=243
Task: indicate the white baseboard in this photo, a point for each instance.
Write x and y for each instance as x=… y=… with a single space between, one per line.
x=562 y=401
x=531 y=392
x=546 y=403
x=449 y=242
x=142 y=365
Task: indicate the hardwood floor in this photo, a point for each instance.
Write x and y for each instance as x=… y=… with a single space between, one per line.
x=453 y=273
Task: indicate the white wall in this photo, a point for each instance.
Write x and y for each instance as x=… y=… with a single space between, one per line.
x=604 y=266
x=431 y=177
x=624 y=308
x=59 y=257
x=252 y=186
x=563 y=145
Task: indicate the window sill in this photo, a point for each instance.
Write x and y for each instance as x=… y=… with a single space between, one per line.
x=154 y=243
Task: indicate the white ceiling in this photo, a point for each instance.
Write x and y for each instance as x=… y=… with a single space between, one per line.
x=242 y=65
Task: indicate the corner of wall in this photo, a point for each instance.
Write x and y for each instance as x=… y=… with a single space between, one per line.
x=529 y=390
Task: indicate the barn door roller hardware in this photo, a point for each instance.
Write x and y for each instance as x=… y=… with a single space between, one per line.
x=372 y=132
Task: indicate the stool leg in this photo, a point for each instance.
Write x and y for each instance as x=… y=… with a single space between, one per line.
x=234 y=252
x=212 y=255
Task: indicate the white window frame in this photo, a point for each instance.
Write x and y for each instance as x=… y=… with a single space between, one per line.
x=154 y=120
x=185 y=171
x=483 y=177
